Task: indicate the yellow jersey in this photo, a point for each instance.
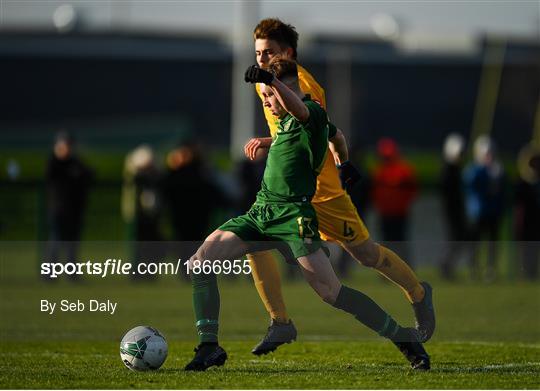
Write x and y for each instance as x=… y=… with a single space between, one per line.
x=328 y=183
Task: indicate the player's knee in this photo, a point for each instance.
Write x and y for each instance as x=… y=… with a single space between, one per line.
x=203 y=251
x=196 y=259
x=218 y=243
x=329 y=298
x=327 y=293
x=215 y=237
x=367 y=253
x=326 y=296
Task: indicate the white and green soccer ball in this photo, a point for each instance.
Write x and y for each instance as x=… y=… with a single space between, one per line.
x=143 y=348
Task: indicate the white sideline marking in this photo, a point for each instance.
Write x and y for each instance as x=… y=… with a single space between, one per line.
x=53 y=355
x=348 y=338
x=491 y=343
x=511 y=365
x=273 y=361
x=490 y=367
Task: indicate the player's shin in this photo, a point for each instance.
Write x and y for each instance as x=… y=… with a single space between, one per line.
x=367 y=312
x=206 y=302
x=265 y=272
x=396 y=270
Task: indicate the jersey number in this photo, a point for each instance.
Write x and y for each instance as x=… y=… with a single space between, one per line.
x=304 y=227
x=347 y=231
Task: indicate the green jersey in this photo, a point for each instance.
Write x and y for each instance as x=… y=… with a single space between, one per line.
x=296 y=156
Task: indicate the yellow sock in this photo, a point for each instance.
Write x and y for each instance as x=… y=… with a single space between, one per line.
x=265 y=272
x=396 y=270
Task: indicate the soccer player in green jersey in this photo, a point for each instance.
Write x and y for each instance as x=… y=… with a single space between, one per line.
x=283 y=213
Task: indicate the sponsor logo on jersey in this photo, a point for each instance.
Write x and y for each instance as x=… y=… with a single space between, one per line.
x=285 y=126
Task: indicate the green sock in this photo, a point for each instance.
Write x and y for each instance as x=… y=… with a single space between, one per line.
x=368 y=313
x=206 y=306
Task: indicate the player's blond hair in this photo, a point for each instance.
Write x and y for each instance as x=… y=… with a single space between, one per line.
x=273 y=28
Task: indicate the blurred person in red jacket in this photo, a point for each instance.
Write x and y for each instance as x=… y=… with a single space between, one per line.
x=393 y=192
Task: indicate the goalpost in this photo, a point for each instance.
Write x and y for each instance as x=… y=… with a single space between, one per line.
x=246 y=15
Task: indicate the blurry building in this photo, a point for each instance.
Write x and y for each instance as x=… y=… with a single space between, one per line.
x=174 y=74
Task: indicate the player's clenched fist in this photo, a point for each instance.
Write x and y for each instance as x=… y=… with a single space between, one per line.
x=254 y=74
x=251 y=147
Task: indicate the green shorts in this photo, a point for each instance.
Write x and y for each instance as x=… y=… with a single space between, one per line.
x=292 y=223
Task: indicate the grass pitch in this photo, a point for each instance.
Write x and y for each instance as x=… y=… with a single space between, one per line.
x=488 y=336
x=315 y=365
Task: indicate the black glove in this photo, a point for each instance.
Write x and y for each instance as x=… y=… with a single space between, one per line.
x=254 y=74
x=349 y=175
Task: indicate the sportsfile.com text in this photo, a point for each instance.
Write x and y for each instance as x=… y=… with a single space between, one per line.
x=113 y=267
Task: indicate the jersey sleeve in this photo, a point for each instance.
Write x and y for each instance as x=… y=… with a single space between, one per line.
x=318 y=119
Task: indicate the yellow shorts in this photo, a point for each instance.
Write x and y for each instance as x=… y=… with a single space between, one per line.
x=339 y=221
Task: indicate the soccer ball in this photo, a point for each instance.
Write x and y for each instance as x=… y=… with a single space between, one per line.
x=143 y=348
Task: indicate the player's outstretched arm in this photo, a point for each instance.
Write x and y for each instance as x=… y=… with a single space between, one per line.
x=253 y=145
x=289 y=99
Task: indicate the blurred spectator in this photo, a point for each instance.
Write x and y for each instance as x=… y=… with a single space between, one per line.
x=191 y=196
x=68 y=181
x=484 y=181
x=13 y=169
x=189 y=192
x=394 y=190
x=141 y=204
x=451 y=188
x=527 y=210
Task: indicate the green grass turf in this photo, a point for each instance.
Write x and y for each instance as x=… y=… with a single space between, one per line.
x=488 y=335
x=315 y=365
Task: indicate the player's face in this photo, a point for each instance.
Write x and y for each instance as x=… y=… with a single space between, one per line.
x=271 y=102
x=266 y=49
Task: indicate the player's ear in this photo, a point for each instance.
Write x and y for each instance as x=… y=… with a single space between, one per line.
x=290 y=52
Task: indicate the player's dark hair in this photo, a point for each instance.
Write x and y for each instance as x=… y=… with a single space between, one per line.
x=283 y=69
x=284 y=34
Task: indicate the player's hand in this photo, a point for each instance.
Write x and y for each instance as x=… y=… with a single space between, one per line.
x=251 y=147
x=254 y=74
x=349 y=175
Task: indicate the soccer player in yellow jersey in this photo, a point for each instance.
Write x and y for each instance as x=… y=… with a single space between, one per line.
x=337 y=216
